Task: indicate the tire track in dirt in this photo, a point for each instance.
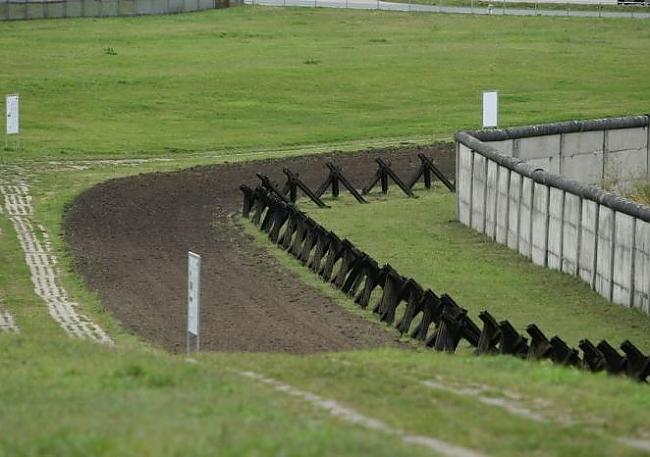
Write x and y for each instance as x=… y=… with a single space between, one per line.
x=130 y=238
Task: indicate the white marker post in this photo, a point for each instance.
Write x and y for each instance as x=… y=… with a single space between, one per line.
x=193 y=298
x=12 y=116
x=490 y=109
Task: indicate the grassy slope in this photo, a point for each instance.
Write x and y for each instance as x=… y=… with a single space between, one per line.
x=421 y=239
x=134 y=399
x=238 y=78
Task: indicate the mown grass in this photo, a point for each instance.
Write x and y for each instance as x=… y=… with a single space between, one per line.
x=585 y=411
x=135 y=400
x=422 y=239
x=236 y=79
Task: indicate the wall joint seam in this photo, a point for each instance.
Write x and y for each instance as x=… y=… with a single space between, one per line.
x=547 y=217
x=611 y=258
x=595 y=261
x=633 y=266
x=471 y=188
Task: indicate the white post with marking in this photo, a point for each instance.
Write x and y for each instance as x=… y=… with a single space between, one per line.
x=193 y=297
x=490 y=109
x=12 y=117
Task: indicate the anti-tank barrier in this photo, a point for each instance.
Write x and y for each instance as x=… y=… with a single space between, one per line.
x=339 y=262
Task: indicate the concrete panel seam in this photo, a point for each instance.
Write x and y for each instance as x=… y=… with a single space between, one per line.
x=485 y=190
x=521 y=187
x=605 y=154
x=507 y=218
x=548 y=217
x=471 y=187
x=496 y=199
x=595 y=261
x=530 y=220
x=612 y=255
x=458 y=183
x=515 y=148
x=561 y=154
x=579 y=237
x=633 y=266
x=561 y=253
x=647 y=146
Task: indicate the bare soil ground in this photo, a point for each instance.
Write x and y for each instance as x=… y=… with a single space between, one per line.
x=130 y=237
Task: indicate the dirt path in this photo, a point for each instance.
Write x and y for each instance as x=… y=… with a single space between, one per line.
x=130 y=238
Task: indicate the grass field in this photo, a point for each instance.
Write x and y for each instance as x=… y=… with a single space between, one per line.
x=234 y=85
x=262 y=78
x=421 y=239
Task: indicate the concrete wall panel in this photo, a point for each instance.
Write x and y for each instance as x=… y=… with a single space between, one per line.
x=176 y=6
x=491 y=199
x=478 y=192
x=582 y=143
x=35 y=11
x=73 y=8
x=55 y=10
x=526 y=217
x=503 y=179
x=642 y=266
x=158 y=6
x=588 y=241
x=90 y=8
x=551 y=164
x=624 y=139
x=555 y=228
x=514 y=196
x=538 y=147
x=584 y=168
x=464 y=186
x=624 y=233
x=505 y=147
x=604 y=257
x=127 y=7
x=570 y=233
x=109 y=8
x=625 y=167
x=16 y=11
x=540 y=224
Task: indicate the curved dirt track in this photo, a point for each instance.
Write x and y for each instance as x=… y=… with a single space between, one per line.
x=130 y=238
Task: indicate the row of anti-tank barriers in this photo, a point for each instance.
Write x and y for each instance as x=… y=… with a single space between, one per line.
x=339 y=262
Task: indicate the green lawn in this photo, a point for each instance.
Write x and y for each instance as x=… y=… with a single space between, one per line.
x=421 y=239
x=254 y=77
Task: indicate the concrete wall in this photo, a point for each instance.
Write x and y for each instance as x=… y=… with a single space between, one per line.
x=614 y=158
x=555 y=222
x=17 y=10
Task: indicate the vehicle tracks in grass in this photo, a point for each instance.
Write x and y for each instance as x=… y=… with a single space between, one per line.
x=41 y=261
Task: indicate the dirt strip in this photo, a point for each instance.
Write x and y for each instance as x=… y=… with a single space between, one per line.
x=130 y=239
x=35 y=242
